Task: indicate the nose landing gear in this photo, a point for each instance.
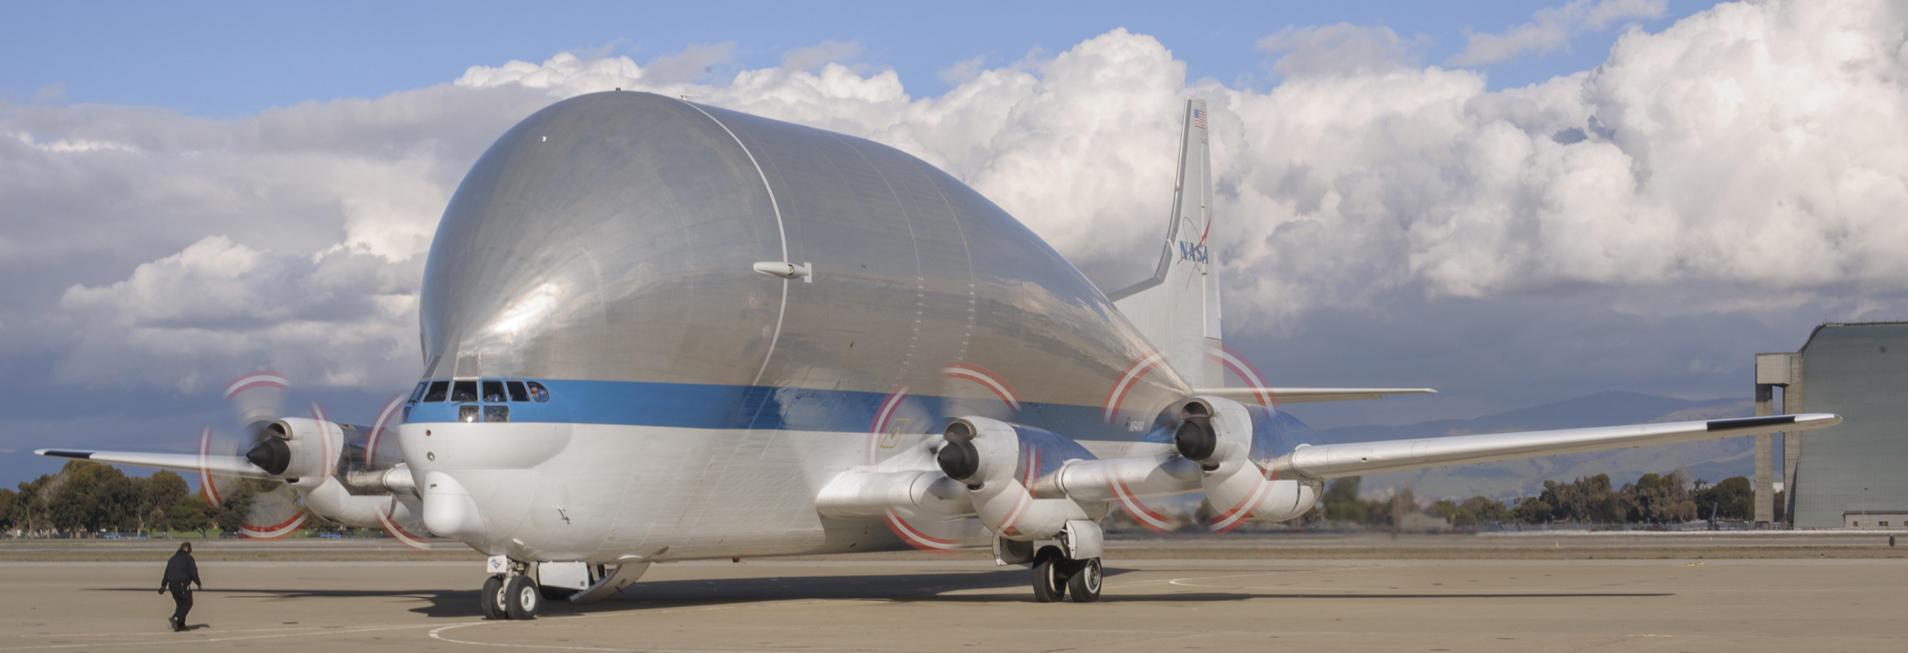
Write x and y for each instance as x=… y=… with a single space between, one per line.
x=511 y=595
x=490 y=598
x=521 y=598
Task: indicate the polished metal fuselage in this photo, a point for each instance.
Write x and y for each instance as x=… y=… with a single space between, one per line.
x=605 y=248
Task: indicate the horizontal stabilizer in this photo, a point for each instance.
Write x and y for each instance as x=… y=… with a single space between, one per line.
x=183 y=462
x=1353 y=459
x=1304 y=395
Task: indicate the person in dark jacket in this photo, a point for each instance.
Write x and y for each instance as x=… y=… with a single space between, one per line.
x=181 y=571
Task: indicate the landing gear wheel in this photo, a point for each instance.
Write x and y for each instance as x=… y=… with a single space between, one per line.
x=521 y=598
x=1084 y=582
x=1049 y=579
x=490 y=598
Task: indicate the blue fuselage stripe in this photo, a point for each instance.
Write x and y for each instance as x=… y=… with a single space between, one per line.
x=699 y=406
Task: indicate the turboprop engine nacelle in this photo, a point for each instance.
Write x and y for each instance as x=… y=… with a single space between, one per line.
x=1001 y=464
x=302 y=451
x=1234 y=447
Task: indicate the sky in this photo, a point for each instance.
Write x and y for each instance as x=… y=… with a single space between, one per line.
x=1513 y=202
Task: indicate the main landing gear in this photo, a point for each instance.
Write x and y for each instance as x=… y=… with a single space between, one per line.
x=513 y=595
x=1056 y=577
x=1068 y=564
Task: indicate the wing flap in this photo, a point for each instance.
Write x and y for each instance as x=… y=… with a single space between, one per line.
x=1352 y=459
x=182 y=462
x=1305 y=395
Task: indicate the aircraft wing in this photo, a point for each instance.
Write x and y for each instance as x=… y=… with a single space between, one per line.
x=1353 y=459
x=1304 y=395
x=183 y=462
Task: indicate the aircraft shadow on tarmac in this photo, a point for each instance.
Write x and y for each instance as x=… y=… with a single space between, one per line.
x=944 y=587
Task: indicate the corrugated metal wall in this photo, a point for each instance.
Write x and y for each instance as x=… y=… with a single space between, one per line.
x=1860 y=372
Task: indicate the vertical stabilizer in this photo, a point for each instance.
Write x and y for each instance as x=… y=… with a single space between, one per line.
x=1178 y=309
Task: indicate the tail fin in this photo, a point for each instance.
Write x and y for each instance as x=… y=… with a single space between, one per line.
x=1178 y=309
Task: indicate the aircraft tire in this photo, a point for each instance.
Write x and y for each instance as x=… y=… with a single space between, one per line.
x=1083 y=585
x=1049 y=578
x=522 y=598
x=490 y=599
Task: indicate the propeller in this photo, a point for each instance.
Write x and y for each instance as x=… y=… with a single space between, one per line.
x=269 y=509
x=404 y=521
x=329 y=456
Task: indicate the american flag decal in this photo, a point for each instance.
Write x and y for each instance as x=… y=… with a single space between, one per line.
x=1199 y=118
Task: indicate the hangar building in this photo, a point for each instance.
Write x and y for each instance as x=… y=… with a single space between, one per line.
x=1854 y=475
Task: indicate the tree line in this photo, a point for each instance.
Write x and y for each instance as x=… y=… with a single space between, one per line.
x=1652 y=499
x=90 y=498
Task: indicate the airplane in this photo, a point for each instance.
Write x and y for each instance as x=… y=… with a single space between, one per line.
x=656 y=330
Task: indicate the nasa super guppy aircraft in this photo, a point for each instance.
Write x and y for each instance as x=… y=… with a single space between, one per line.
x=656 y=330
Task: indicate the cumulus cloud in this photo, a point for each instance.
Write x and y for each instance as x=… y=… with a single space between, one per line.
x=1736 y=152
x=1341 y=49
x=1551 y=29
x=964 y=71
x=181 y=321
x=692 y=63
x=816 y=56
x=145 y=248
x=1748 y=159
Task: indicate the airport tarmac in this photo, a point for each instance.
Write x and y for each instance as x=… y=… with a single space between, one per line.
x=917 y=603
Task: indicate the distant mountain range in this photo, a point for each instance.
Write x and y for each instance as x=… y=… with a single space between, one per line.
x=1710 y=460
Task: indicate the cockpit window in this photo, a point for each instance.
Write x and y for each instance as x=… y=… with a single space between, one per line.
x=517 y=393
x=493 y=390
x=437 y=391
x=419 y=392
x=538 y=392
x=463 y=391
x=467 y=413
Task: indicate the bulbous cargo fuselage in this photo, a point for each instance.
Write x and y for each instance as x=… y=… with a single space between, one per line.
x=632 y=382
